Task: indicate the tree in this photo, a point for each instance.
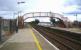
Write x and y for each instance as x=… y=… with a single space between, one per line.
x=53 y=21
x=36 y=21
x=76 y=23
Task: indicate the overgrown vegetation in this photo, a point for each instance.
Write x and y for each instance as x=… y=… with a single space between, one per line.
x=34 y=22
x=53 y=21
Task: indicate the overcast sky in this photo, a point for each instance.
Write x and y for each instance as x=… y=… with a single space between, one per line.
x=10 y=8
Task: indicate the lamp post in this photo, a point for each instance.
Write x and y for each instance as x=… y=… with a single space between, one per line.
x=21 y=2
x=18 y=4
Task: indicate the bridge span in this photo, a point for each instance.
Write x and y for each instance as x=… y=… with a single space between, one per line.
x=42 y=14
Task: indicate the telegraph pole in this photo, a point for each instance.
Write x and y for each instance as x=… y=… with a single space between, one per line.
x=77 y=24
x=0 y=28
x=76 y=16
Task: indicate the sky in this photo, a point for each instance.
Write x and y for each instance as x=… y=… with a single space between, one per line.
x=10 y=8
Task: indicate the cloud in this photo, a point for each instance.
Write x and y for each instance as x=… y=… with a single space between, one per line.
x=72 y=6
x=8 y=14
x=8 y=5
x=72 y=2
x=8 y=8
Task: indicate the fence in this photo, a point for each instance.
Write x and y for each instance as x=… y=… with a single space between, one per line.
x=7 y=28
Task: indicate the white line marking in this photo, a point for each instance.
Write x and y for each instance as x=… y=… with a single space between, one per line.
x=36 y=40
x=47 y=40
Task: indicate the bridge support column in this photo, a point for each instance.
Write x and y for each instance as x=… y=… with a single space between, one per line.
x=20 y=22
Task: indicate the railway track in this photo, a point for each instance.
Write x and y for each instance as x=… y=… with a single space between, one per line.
x=59 y=39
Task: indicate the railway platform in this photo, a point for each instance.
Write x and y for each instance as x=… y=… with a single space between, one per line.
x=76 y=30
x=27 y=39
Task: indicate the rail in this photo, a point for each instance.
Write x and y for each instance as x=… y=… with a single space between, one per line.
x=64 y=40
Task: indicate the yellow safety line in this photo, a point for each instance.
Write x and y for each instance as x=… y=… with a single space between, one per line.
x=36 y=41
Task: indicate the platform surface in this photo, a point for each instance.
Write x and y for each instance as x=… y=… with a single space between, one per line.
x=76 y=30
x=27 y=39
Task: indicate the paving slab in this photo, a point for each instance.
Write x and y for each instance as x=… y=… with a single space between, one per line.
x=23 y=40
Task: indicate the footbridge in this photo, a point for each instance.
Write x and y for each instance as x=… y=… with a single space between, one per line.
x=42 y=14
